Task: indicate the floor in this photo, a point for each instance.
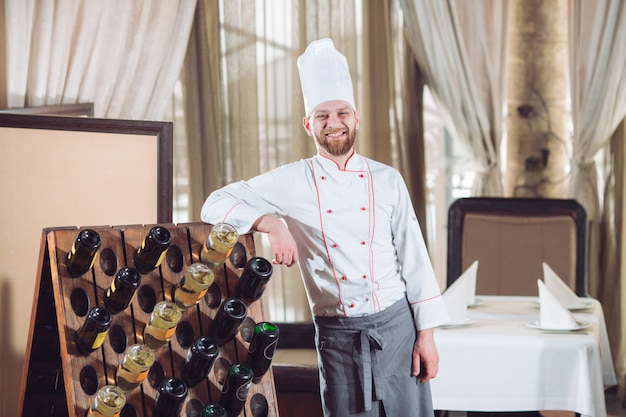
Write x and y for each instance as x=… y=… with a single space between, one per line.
x=614 y=408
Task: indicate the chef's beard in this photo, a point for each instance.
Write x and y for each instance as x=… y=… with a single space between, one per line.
x=336 y=147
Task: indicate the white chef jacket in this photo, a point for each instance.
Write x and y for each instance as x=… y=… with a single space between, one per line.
x=360 y=246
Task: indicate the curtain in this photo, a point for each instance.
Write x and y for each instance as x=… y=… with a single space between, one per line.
x=123 y=56
x=461 y=50
x=598 y=84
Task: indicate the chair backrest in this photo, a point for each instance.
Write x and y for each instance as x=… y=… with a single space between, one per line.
x=511 y=237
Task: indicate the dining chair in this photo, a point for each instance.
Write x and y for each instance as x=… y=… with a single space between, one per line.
x=511 y=237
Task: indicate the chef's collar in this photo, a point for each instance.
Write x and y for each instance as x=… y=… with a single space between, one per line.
x=355 y=162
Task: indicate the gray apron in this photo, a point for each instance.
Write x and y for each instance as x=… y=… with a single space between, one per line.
x=365 y=365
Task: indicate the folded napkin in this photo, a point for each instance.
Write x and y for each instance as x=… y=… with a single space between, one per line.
x=455 y=298
x=552 y=314
x=460 y=294
x=560 y=289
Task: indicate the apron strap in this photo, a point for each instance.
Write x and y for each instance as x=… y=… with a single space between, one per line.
x=371 y=341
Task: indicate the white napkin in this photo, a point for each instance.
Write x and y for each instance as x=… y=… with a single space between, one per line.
x=560 y=289
x=455 y=298
x=552 y=314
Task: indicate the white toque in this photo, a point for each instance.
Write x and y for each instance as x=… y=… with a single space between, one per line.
x=324 y=75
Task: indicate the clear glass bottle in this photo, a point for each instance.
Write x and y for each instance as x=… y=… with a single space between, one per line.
x=153 y=249
x=108 y=402
x=261 y=349
x=161 y=324
x=236 y=387
x=81 y=257
x=134 y=367
x=169 y=398
x=122 y=290
x=199 y=360
x=229 y=316
x=91 y=334
x=193 y=286
x=254 y=278
x=218 y=245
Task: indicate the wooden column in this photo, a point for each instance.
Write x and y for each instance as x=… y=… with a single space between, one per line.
x=537 y=156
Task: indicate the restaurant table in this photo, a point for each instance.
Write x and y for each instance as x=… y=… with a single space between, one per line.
x=498 y=362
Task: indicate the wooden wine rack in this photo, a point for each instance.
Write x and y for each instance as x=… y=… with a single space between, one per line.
x=58 y=381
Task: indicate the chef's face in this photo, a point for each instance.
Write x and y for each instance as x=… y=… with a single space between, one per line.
x=333 y=124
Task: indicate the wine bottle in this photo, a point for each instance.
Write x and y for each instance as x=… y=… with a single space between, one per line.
x=94 y=329
x=108 y=402
x=199 y=360
x=81 y=257
x=122 y=290
x=193 y=286
x=153 y=249
x=254 y=278
x=236 y=386
x=213 y=410
x=161 y=324
x=218 y=245
x=229 y=316
x=261 y=349
x=134 y=367
x=169 y=398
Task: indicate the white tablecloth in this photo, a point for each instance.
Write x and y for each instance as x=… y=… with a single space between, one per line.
x=498 y=363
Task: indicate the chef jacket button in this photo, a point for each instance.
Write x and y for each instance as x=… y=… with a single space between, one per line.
x=323 y=178
x=363 y=243
x=361 y=175
x=364 y=276
x=335 y=245
x=329 y=211
x=352 y=305
x=363 y=208
x=343 y=278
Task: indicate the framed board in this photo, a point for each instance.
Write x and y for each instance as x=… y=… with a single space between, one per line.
x=62 y=171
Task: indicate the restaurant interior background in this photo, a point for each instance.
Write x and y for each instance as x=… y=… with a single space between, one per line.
x=440 y=86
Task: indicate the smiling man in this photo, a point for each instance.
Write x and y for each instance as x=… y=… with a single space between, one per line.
x=349 y=223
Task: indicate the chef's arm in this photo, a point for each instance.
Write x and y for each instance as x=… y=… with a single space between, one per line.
x=282 y=242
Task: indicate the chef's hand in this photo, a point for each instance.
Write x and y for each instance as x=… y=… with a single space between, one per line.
x=281 y=240
x=425 y=356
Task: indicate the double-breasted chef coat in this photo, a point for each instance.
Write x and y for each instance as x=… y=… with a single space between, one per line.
x=360 y=246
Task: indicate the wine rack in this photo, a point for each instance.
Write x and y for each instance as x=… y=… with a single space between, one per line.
x=59 y=381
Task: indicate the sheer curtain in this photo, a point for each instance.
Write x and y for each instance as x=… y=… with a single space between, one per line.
x=123 y=56
x=461 y=49
x=598 y=78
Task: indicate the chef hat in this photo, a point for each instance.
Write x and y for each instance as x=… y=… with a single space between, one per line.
x=324 y=75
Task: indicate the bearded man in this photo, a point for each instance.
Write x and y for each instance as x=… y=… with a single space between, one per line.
x=349 y=223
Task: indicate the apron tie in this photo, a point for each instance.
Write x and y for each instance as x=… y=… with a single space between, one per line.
x=371 y=340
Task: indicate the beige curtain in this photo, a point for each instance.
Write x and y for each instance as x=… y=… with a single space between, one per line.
x=244 y=106
x=598 y=79
x=123 y=56
x=461 y=49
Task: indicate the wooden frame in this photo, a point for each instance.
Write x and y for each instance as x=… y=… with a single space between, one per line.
x=518 y=207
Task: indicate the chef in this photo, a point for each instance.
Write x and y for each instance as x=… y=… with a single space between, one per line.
x=349 y=223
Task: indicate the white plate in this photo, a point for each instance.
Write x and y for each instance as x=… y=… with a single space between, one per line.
x=579 y=326
x=585 y=304
x=452 y=325
x=476 y=303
